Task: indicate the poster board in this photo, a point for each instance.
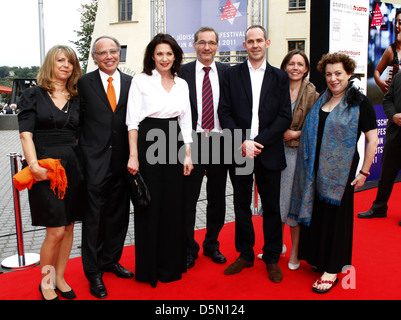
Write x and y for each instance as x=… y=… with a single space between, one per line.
x=227 y=17
x=381 y=36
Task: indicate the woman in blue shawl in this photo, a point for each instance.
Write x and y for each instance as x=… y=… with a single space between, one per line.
x=325 y=179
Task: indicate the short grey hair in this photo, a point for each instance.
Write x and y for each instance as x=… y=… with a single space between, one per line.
x=203 y=29
x=93 y=51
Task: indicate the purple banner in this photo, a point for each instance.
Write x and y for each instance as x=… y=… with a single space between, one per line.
x=227 y=17
x=381 y=130
x=381 y=35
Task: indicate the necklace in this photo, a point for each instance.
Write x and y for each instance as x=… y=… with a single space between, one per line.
x=67 y=98
x=68 y=107
x=51 y=94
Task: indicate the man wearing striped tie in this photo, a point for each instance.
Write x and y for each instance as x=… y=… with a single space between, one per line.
x=204 y=77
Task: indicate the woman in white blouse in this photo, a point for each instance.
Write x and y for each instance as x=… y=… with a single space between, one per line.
x=159 y=128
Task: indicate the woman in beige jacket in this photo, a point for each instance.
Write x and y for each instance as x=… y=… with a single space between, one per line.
x=303 y=96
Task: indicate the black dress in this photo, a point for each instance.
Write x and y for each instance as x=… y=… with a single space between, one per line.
x=55 y=136
x=327 y=242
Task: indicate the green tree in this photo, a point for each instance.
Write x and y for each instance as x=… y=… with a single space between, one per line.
x=88 y=17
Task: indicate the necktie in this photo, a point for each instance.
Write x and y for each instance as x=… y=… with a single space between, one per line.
x=111 y=94
x=207 y=102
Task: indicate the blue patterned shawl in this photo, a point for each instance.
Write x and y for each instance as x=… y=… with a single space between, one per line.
x=335 y=159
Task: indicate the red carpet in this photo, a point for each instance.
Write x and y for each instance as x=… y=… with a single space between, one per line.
x=376 y=261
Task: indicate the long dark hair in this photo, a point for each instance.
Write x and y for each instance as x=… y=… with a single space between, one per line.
x=148 y=62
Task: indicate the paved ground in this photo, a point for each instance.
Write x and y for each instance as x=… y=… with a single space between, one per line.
x=33 y=236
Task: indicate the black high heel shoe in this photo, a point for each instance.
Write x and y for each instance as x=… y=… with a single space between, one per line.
x=68 y=294
x=43 y=297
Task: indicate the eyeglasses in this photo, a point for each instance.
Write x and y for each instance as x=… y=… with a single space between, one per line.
x=103 y=54
x=202 y=43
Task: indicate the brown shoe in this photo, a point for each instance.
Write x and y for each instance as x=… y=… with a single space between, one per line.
x=237 y=266
x=275 y=274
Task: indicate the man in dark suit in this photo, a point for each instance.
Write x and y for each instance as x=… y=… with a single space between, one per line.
x=391 y=161
x=205 y=44
x=255 y=102
x=104 y=144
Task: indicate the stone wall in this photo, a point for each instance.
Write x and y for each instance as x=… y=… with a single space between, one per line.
x=8 y=122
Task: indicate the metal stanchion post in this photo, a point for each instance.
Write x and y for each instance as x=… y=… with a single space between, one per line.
x=21 y=260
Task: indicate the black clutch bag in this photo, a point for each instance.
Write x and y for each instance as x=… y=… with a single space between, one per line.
x=138 y=191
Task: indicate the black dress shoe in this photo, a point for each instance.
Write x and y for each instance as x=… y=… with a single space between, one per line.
x=190 y=261
x=371 y=214
x=97 y=288
x=68 y=294
x=215 y=255
x=120 y=271
x=43 y=297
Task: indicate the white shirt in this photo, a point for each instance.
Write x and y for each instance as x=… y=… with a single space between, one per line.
x=116 y=82
x=148 y=98
x=214 y=81
x=256 y=84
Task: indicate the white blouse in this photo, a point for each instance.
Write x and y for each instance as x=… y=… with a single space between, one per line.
x=148 y=98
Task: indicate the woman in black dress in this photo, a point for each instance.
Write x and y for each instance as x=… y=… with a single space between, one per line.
x=48 y=124
x=325 y=179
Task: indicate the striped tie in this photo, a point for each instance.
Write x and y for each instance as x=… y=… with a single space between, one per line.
x=207 y=102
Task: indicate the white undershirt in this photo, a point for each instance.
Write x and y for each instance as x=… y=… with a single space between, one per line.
x=116 y=82
x=214 y=81
x=257 y=76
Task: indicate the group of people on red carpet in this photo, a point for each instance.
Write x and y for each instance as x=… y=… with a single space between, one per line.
x=175 y=124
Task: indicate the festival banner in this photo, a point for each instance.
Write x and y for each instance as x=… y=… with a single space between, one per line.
x=227 y=17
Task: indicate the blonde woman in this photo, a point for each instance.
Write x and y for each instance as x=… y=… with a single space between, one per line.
x=48 y=124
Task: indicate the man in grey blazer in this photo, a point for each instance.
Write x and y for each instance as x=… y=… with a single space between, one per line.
x=206 y=43
x=104 y=143
x=391 y=161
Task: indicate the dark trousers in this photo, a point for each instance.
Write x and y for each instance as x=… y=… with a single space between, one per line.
x=105 y=225
x=216 y=174
x=391 y=165
x=160 y=228
x=268 y=183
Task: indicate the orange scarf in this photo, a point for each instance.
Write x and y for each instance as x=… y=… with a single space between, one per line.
x=56 y=175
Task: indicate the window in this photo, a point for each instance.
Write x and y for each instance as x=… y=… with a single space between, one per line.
x=123 y=54
x=297 y=5
x=125 y=10
x=297 y=44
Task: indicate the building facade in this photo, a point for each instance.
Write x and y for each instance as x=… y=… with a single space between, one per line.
x=135 y=22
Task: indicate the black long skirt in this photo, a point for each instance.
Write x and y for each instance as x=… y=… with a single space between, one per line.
x=327 y=243
x=160 y=249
